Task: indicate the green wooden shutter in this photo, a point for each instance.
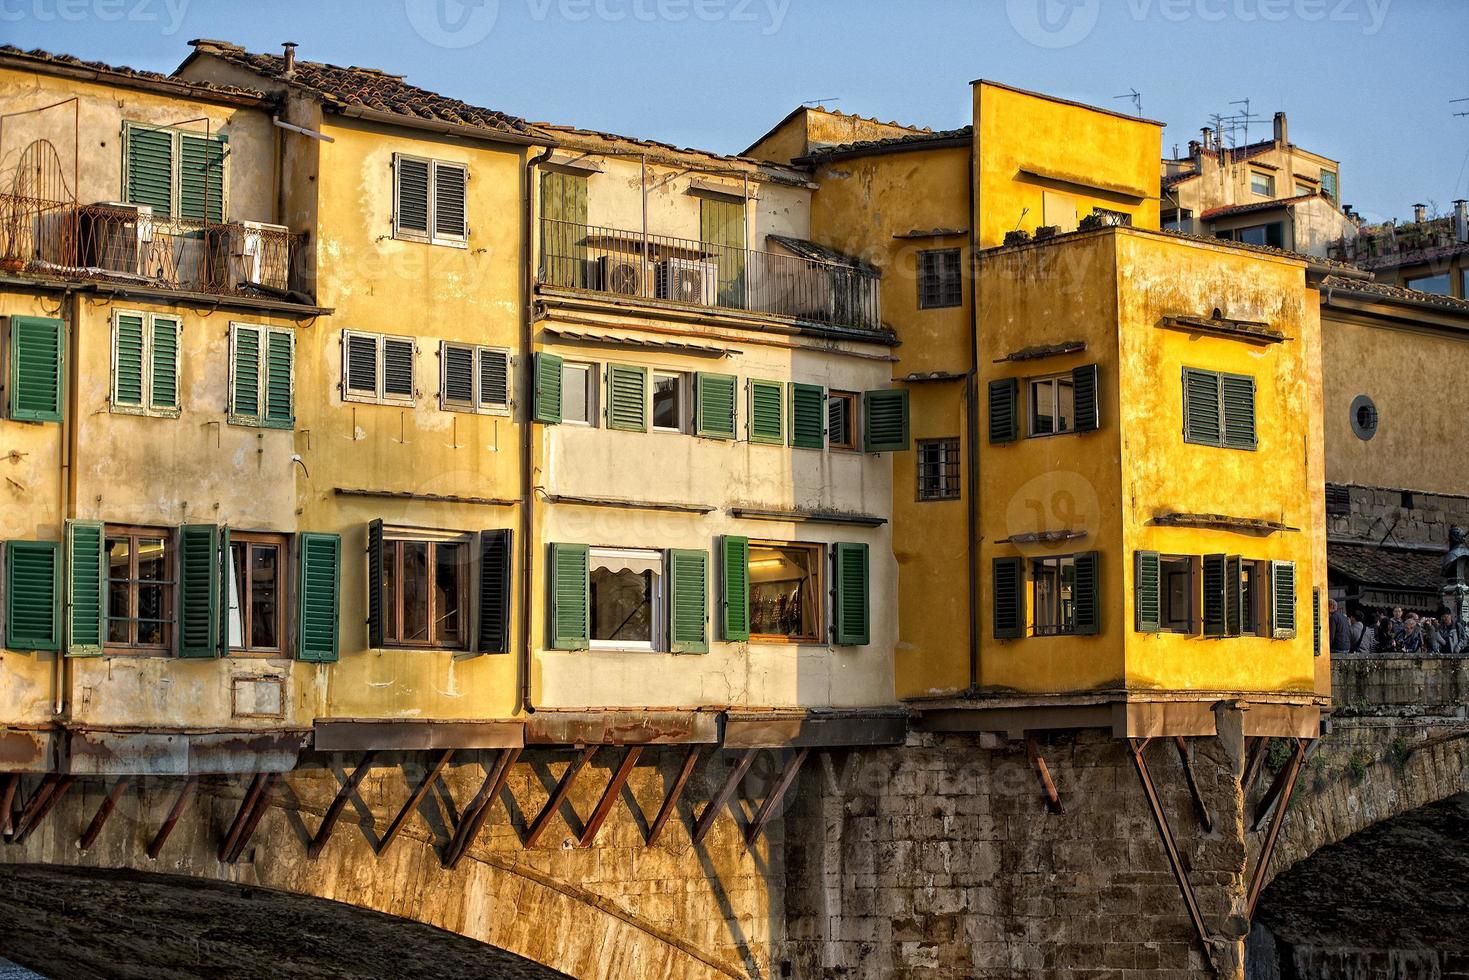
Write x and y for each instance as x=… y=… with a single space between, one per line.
x=318 y=587
x=850 y=604
x=688 y=601
x=201 y=177
x=198 y=605
x=163 y=389
x=1234 y=596
x=412 y=194
x=1009 y=598
x=627 y=397
x=548 y=388
x=1004 y=410
x=492 y=627
x=33 y=595
x=563 y=232
x=1214 y=600
x=1085 y=398
x=150 y=169
x=564 y=197
x=1237 y=394
x=451 y=216
x=127 y=360
x=1315 y=622
x=570 y=597
x=714 y=405
x=245 y=383
x=1086 y=595
x=86 y=589
x=37 y=352
x=808 y=416
x=736 y=618
x=722 y=225
x=1283 y=599
x=1201 y=412
x=226 y=558
x=376 y=580
x=280 y=410
x=1147 y=591
x=885 y=420
x=766 y=411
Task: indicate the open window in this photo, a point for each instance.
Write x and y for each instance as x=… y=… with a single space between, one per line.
x=255 y=591
x=785 y=592
x=626 y=598
x=140 y=589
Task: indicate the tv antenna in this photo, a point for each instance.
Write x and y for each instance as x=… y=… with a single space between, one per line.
x=1466 y=111
x=1241 y=119
x=813 y=103
x=1137 y=100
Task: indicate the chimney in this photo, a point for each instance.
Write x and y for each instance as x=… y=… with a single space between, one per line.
x=1208 y=135
x=1420 y=213
x=290 y=69
x=1281 y=133
x=1461 y=220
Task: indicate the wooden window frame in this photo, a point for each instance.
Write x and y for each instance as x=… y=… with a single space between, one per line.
x=1030 y=416
x=1269 y=180
x=393 y=554
x=147 y=408
x=1195 y=607
x=283 y=595
x=943 y=444
x=820 y=610
x=131 y=648
x=475 y=406
x=853 y=402
x=685 y=407
x=380 y=396
x=430 y=236
x=659 y=613
x=934 y=291
x=1033 y=566
x=593 y=390
x=1255 y=620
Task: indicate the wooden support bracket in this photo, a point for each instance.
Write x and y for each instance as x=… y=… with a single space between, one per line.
x=1048 y=787
x=1257 y=880
x=609 y=796
x=191 y=785
x=675 y=792
x=334 y=812
x=479 y=812
x=559 y=795
x=1206 y=820
x=767 y=809
x=419 y=792
x=726 y=790
x=104 y=810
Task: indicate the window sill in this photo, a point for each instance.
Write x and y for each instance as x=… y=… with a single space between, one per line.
x=496 y=410
x=258 y=423
x=394 y=402
x=155 y=413
x=430 y=240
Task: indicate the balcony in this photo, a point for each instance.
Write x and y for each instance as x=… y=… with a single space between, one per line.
x=810 y=285
x=123 y=243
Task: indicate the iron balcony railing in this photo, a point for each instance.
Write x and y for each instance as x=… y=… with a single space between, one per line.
x=681 y=270
x=128 y=243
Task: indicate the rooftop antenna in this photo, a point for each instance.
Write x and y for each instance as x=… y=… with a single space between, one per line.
x=813 y=103
x=1466 y=111
x=1137 y=100
x=1242 y=118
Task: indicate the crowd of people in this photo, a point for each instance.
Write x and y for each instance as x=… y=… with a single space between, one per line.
x=1365 y=632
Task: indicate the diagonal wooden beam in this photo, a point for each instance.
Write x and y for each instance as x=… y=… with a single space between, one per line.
x=1038 y=762
x=726 y=790
x=767 y=809
x=37 y=810
x=558 y=796
x=262 y=803
x=247 y=805
x=475 y=817
x=191 y=785
x=1257 y=880
x=1175 y=863
x=104 y=810
x=333 y=812
x=1206 y=820
x=609 y=796
x=670 y=802
x=7 y=801
x=419 y=792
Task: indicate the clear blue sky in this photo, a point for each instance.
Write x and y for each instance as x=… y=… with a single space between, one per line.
x=1365 y=81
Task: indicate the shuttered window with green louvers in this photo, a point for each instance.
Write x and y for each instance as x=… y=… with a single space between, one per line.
x=627 y=397
x=150 y=159
x=1008 y=612
x=570 y=588
x=377 y=599
x=318 y=588
x=808 y=416
x=851 y=612
x=1004 y=404
x=767 y=400
x=735 y=622
x=145 y=363
x=380 y=368
x=201 y=177
x=547 y=406
x=492 y=627
x=1234 y=595
x=128 y=358
x=1147 y=588
x=1086 y=594
x=86 y=583
x=37 y=353
x=714 y=405
x=688 y=601
x=163 y=364
x=33 y=595
x=1214 y=600
x=199 y=590
x=885 y=420
x=1315 y=622
x=1218 y=409
x=1237 y=395
x=1085 y=398
x=262 y=377
x=245 y=375
x=1283 y=599
x=279 y=357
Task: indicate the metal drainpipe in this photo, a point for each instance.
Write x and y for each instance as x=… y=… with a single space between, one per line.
x=971 y=386
x=527 y=429
x=71 y=305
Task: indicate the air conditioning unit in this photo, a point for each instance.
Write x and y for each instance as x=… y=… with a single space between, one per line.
x=626 y=275
x=250 y=253
x=117 y=237
x=689 y=281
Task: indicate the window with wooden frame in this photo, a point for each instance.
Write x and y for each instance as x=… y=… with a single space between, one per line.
x=1178 y=586
x=378 y=368
x=626 y=592
x=430 y=201
x=1262 y=184
x=178 y=173
x=1052 y=405
x=1064 y=594
x=671 y=412
x=474 y=378
x=841 y=420
x=425 y=590
x=940 y=278
x=938 y=469
x=786 y=602
x=579 y=393
x=255 y=593
x=140 y=588
x=145 y=363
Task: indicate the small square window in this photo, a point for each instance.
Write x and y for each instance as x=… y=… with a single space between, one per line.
x=938 y=469
x=1052 y=406
x=1262 y=184
x=841 y=420
x=578 y=394
x=940 y=278
x=669 y=398
x=627 y=598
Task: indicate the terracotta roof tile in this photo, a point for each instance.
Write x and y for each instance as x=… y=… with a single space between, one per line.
x=1233 y=209
x=1397 y=292
x=861 y=147
x=43 y=59
x=1394 y=567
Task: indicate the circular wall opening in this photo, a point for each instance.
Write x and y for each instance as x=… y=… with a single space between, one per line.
x=1364 y=417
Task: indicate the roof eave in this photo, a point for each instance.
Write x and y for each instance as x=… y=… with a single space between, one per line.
x=164 y=86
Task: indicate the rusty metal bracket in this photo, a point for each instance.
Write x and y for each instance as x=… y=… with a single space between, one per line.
x=247 y=805
x=726 y=790
x=609 y=796
x=670 y=802
x=1267 y=849
x=1175 y=862
x=1273 y=795
x=53 y=787
x=1253 y=760
x=7 y=801
x=414 y=799
x=191 y=785
x=478 y=811
x=339 y=802
x=104 y=810
x=559 y=794
x=257 y=813
x=1206 y=820
x=767 y=809
x=1048 y=787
